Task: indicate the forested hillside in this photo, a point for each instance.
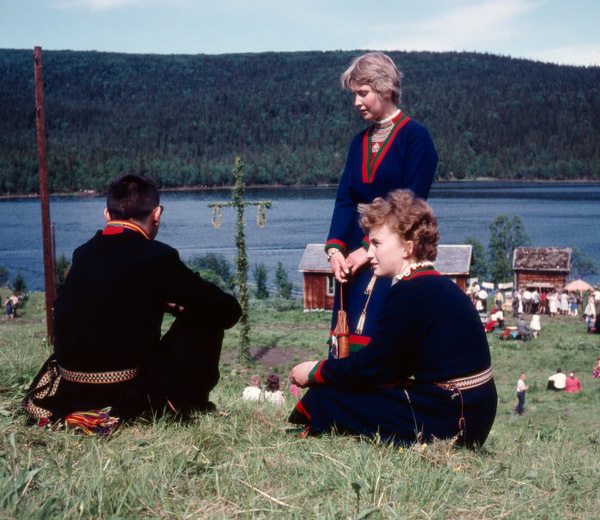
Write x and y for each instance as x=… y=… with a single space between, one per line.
x=183 y=119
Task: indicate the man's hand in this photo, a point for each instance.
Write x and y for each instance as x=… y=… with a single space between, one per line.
x=174 y=307
x=299 y=374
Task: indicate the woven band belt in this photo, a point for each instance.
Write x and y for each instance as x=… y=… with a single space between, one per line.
x=99 y=378
x=465 y=383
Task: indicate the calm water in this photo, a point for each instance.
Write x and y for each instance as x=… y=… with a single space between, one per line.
x=556 y=215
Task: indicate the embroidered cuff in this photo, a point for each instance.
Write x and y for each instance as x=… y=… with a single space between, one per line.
x=337 y=244
x=314 y=376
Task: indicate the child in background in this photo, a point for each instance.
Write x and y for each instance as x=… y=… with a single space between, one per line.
x=273 y=392
x=535 y=325
x=597 y=368
x=521 y=388
x=252 y=392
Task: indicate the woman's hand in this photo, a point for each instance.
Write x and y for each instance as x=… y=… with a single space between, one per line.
x=343 y=268
x=357 y=259
x=299 y=374
x=339 y=267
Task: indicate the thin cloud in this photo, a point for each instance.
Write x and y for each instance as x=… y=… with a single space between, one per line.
x=107 y=5
x=461 y=28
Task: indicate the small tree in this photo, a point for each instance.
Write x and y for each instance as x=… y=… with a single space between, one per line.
x=214 y=268
x=18 y=284
x=284 y=286
x=505 y=236
x=260 y=277
x=583 y=263
x=3 y=275
x=479 y=267
x=62 y=268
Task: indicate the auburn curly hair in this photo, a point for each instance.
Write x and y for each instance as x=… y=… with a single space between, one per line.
x=412 y=218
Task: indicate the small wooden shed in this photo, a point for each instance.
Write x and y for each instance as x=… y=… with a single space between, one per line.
x=455 y=263
x=542 y=268
x=317 y=278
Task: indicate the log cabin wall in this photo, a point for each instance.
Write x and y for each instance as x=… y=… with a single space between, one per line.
x=528 y=278
x=315 y=291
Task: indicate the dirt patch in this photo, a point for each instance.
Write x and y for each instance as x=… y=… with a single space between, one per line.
x=272 y=357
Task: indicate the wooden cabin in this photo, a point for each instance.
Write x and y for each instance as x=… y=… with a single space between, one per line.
x=542 y=268
x=317 y=278
x=319 y=283
x=454 y=262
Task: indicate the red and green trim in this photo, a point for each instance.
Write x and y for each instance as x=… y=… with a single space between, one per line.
x=421 y=271
x=314 y=376
x=336 y=244
x=301 y=410
x=358 y=342
x=117 y=227
x=371 y=163
x=366 y=243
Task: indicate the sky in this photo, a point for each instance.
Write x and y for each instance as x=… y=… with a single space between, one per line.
x=556 y=31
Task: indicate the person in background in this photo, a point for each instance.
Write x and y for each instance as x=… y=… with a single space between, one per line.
x=523 y=331
x=535 y=301
x=557 y=381
x=590 y=308
x=527 y=301
x=553 y=303
x=573 y=305
x=273 y=392
x=543 y=307
x=521 y=389
x=516 y=304
x=394 y=152
x=499 y=299
x=572 y=384
x=564 y=303
x=535 y=325
x=254 y=391
x=596 y=372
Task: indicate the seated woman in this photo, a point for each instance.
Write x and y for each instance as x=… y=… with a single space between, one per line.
x=426 y=372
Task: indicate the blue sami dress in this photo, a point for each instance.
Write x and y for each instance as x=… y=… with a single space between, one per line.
x=425 y=374
x=406 y=160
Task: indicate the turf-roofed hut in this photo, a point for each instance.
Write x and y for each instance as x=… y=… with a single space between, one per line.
x=541 y=268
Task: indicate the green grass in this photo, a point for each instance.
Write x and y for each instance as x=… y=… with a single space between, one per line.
x=543 y=465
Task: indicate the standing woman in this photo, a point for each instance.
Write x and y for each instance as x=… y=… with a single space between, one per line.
x=394 y=152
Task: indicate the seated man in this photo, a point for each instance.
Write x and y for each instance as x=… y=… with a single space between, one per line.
x=557 y=381
x=108 y=350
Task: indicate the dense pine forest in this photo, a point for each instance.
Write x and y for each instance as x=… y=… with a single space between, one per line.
x=182 y=119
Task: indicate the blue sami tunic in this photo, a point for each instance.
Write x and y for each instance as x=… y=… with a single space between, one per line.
x=428 y=335
x=406 y=160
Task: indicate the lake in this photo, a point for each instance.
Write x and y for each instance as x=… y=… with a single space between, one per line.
x=554 y=215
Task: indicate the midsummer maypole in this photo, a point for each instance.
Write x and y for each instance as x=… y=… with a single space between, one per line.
x=241 y=260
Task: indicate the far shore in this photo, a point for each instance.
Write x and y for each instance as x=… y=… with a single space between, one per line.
x=92 y=193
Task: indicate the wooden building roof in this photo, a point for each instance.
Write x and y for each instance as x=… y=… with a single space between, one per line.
x=454 y=260
x=314 y=259
x=542 y=259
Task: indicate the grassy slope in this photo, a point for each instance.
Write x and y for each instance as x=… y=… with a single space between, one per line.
x=542 y=465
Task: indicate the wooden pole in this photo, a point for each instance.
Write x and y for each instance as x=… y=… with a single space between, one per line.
x=49 y=279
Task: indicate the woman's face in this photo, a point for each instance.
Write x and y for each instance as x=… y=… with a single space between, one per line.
x=388 y=254
x=372 y=105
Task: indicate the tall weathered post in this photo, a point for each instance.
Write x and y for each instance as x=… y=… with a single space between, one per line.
x=49 y=277
x=241 y=260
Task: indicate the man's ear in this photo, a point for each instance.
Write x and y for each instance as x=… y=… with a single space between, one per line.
x=106 y=215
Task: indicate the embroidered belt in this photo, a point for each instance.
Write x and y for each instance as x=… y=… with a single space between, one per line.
x=117 y=376
x=465 y=383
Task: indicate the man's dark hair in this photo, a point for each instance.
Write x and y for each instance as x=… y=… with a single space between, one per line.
x=131 y=196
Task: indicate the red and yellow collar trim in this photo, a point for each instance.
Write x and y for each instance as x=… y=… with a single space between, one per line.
x=116 y=227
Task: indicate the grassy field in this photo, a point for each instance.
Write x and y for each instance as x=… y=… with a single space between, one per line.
x=544 y=465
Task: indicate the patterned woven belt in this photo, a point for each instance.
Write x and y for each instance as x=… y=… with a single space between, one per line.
x=465 y=383
x=99 y=378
